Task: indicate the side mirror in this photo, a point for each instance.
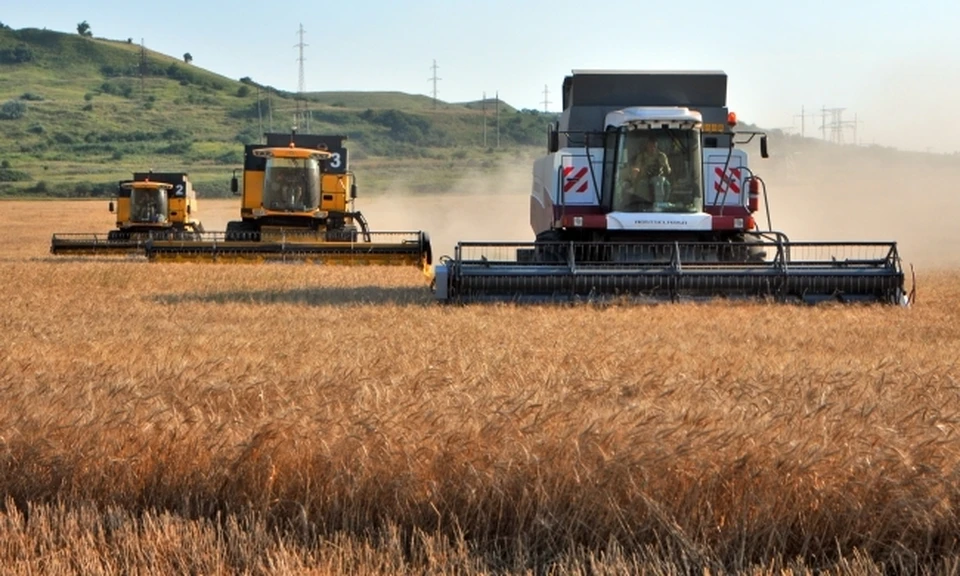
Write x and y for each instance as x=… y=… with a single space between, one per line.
x=234 y=185
x=353 y=191
x=553 y=139
x=763 y=147
x=188 y=209
x=110 y=207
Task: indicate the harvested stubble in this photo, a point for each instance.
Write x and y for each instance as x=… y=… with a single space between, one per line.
x=275 y=419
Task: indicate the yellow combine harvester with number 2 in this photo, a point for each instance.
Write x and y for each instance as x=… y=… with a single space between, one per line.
x=152 y=206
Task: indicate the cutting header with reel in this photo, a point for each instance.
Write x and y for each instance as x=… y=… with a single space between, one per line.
x=643 y=193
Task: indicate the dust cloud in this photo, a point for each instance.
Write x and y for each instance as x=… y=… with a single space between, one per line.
x=489 y=206
x=822 y=192
x=216 y=212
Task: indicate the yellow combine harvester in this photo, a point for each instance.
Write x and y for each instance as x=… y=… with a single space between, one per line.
x=297 y=205
x=151 y=206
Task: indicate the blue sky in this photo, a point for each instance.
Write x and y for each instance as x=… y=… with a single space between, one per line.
x=896 y=65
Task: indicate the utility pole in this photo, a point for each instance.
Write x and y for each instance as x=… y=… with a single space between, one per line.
x=851 y=124
x=483 y=106
x=546 y=96
x=803 y=121
x=259 y=113
x=498 y=119
x=143 y=67
x=835 y=124
x=823 y=123
x=301 y=84
x=434 y=80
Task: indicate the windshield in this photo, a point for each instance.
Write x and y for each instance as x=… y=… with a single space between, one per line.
x=148 y=205
x=658 y=171
x=292 y=185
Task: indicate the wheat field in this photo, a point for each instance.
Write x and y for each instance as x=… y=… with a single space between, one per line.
x=291 y=419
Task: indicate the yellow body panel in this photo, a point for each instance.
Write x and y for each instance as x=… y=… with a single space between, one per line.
x=252 y=191
x=334 y=190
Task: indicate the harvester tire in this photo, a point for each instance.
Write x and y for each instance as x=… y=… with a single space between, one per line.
x=240 y=231
x=546 y=251
x=344 y=234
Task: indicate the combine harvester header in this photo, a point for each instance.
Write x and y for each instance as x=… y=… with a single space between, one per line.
x=644 y=194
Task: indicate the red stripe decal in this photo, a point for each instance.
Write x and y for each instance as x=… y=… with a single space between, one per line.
x=571 y=181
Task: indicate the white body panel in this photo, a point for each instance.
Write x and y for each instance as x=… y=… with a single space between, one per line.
x=577 y=185
x=720 y=191
x=699 y=221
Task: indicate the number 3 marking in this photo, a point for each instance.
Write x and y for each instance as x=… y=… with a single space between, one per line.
x=334 y=161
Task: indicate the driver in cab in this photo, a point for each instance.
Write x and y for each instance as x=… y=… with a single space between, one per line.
x=646 y=163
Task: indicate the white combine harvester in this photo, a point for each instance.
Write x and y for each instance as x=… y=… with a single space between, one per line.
x=680 y=226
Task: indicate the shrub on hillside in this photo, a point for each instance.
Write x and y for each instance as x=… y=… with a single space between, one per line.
x=248 y=135
x=11 y=175
x=18 y=55
x=181 y=147
x=13 y=109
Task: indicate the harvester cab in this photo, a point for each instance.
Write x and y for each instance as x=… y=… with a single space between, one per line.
x=149 y=206
x=301 y=191
x=644 y=193
x=297 y=204
x=156 y=203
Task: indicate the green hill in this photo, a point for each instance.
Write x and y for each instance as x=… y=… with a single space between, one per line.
x=78 y=113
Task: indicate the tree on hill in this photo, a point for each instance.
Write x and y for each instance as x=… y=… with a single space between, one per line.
x=83 y=29
x=187 y=58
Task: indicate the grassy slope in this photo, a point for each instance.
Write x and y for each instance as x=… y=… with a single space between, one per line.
x=93 y=124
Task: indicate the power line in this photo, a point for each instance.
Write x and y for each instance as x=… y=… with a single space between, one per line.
x=498 y=118
x=259 y=113
x=546 y=95
x=143 y=67
x=434 y=80
x=835 y=124
x=300 y=45
x=301 y=84
x=483 y=106
x=803 y=120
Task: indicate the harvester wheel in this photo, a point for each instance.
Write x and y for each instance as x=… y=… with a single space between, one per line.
x=239 y=231
x=346 y=234
x=549 y=247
